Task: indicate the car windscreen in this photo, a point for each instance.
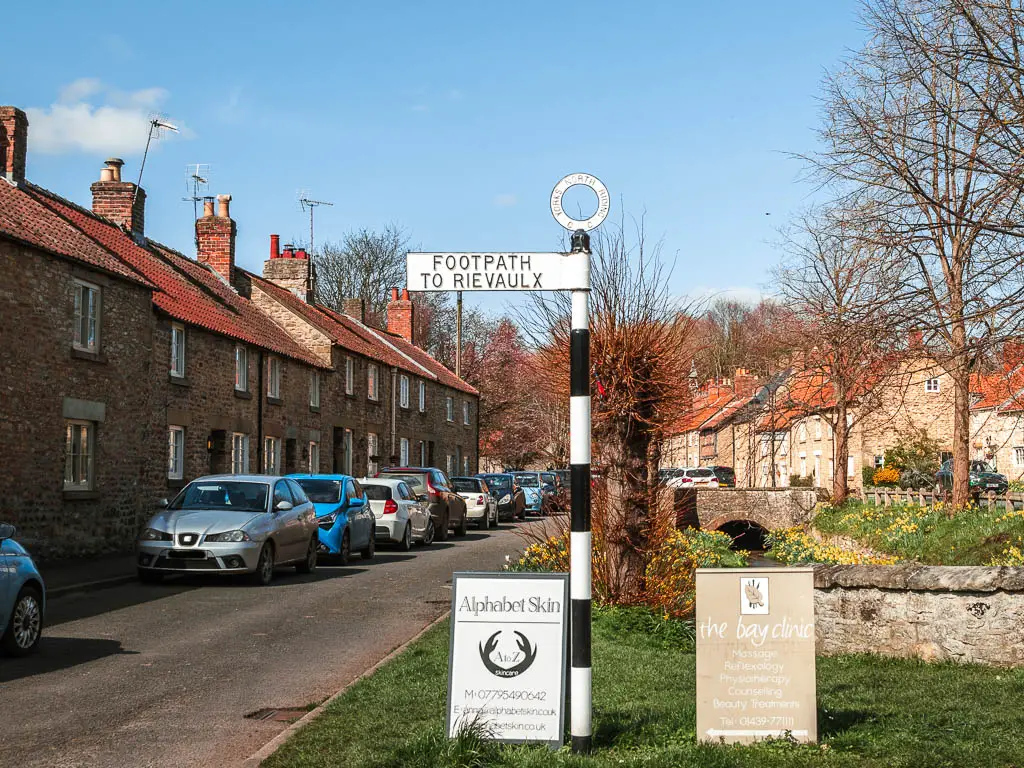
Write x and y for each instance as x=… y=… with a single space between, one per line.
x=725 y=474
x=549 y=478
x=376 y=492
x=699 y=473
x=498 y=483
x=230 y=495
x=465 y=485
x=416 y=482
x=528 y=481
x=321 y=491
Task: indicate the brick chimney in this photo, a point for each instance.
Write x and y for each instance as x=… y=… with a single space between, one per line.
x=291 y=269
x=744 y=383
x=1013 y=353
x=915 y=340
x=13 y=143
x=116 y=200
x=215 y=235
x=401 y=315
x=355 y=308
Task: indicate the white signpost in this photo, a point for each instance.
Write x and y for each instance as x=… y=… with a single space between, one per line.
x=449 y=271
x=506 y=668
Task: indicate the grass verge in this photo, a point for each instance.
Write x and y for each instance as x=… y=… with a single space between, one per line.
x=872 y=712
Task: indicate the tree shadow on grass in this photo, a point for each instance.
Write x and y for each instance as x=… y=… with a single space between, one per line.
x=833 y=722
x=613 y=726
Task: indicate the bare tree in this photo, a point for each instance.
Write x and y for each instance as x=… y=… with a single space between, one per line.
x=366 y=264
x=918 y=124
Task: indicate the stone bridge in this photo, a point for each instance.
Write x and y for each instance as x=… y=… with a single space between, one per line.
x=734 y=508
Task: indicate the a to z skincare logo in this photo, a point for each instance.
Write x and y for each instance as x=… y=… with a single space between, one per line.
x=525 y=605
x=497 y=659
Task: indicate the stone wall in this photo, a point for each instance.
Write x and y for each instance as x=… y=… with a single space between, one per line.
x=769 y=508
x=937 y=613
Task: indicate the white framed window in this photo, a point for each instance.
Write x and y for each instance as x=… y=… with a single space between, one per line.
x=371 y=454
x=241 y=368
x=879 y=462
x=831 y=468
x=274 y=377
x=817 y=467
x=803 y=466
x=350 y=375
x=314 y=457
x=849 y=420
x=802 y=433
x=272 y=455
x=87 y=317
x=403 y=392
x=79 y=446
x=817 y=428
x=423 y=396
x=175 y=453
x=465 y=412
x=1018 y=456
x=932 y=385
x=239 y=453
x=449 y=408
x=849 y=466
x=371 y=381
x=449 y=464
x=314 y=389
x=177 y=350
x=403 y=451
x=465 y=465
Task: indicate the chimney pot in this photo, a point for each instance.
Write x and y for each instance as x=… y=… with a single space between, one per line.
x=223 y=201
x=216 y=238
x=119 y=201
x=275 y=246
x=207 y=207
x=394 y=294
x=405 y=294
x=112 y=167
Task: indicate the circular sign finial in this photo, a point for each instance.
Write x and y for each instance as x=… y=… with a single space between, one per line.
x=574 y=180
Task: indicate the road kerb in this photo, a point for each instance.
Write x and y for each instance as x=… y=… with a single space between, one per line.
x=89 y=586
x=274 y=744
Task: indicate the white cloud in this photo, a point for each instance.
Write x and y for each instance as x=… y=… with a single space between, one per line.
x=90 y=117
x=505 y=200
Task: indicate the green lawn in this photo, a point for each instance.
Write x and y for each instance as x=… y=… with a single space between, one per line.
x=872 y=712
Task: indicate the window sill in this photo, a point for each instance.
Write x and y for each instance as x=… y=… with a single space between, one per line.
x=179 y=381
x=81 y=354
x=80 y=495
x=274 y=400
x=243 y=394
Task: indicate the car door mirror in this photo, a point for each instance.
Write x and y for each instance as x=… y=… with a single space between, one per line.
x=163 y=503
x=356 y=503
x=423 y=498
x=283 y=506
x=7 y=531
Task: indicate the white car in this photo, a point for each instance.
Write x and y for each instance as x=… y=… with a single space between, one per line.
x=481 y=507
x=692 y=477
x=400 y=518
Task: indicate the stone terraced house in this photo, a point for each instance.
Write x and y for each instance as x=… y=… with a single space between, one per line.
x=129 y=368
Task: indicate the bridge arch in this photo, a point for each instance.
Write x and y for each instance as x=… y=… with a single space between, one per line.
x=747 y=531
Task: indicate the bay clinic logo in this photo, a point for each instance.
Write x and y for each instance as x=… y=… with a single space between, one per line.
x=494 y=658
x=754 y=595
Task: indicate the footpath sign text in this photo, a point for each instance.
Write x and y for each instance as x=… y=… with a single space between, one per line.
x=506 y=668
x=492 y=271
x=755 y=654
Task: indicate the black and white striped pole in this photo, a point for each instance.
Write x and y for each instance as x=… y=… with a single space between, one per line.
x=580 y=544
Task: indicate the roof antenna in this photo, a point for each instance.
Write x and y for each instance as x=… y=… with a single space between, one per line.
x=306 y=202
x=197 y=181
x=154 y=126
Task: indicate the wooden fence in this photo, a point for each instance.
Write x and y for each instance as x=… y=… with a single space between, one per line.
x=889 y=496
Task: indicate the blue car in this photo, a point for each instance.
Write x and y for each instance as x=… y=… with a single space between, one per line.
x=22 y=597
x=533 y=490
x=344 y=518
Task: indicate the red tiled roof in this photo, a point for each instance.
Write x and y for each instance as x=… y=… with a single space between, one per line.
x=24 y=218
x=183 y=289
x=702 y=409
x=1003 y=390
x=727 y=412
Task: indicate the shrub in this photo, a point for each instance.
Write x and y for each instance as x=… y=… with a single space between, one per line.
x=795 y=481
x=1016 y=486
x=867 y=476
x=670 y=571
x=793 y=546
x=886 y=476
x=917 y=452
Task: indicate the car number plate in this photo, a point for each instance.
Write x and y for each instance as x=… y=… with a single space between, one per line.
x=186 y=554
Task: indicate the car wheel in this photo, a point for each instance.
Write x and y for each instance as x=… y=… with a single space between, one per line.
x=309 y=564
x=406 y=543
x=442 y=532
x=146 y=576
x=428 y=534
x=368 y=551
x=346 y=549
x=26 y=623
x=463 y=526
x=264 y=572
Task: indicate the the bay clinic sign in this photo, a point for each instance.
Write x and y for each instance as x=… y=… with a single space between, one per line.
x=507 y=662
x=755 y=654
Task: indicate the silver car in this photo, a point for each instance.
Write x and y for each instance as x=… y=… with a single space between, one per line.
x=231 y=524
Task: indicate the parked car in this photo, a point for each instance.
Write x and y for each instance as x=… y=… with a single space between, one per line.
x=982 y=478
x=481 y=507
x=22 y=596
x=345 y=522
x=229 y=524
x=726 y=476
x=557 y=497
x=400 y=518
x=533 y=490
x=432 y=487
x=509 y=496
x=693 y=477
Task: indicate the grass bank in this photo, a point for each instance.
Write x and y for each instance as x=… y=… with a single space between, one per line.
x=928 y=534
x=872 y=712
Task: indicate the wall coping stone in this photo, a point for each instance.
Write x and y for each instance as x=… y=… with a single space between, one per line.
x=922 y=578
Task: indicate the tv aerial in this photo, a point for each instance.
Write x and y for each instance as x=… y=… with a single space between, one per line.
x=307 y=202
x=156 y=125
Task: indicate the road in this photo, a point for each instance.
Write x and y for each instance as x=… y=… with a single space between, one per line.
x=158 y=675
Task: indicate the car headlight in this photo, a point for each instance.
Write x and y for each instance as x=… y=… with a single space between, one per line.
x=228 y=536
x=152 y=534
x=505 y=499
x=329 y=519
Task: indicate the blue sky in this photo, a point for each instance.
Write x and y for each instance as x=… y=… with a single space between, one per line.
x=452 y=119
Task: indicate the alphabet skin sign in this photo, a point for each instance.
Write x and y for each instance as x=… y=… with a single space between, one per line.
x=506 y=664
x=755 y=654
